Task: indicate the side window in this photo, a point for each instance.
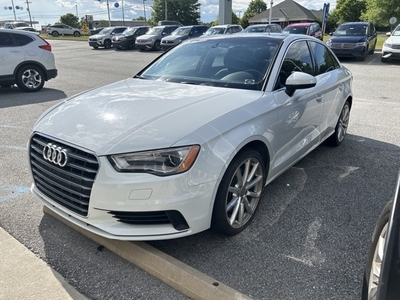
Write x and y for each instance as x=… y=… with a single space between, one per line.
x=297 y=59
x=6 y=40
x=325 y=61
x=21 y=39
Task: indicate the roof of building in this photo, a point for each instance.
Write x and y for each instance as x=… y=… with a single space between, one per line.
x=286 y=11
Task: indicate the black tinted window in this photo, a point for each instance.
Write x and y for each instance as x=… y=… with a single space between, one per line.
x=6 y=40
x=297 y=59
x=22 y=39
x=325 y=62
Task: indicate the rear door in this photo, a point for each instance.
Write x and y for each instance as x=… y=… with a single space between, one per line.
x=10 y=54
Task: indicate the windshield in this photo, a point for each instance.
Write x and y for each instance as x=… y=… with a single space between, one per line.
x=156 y=31
x=351 y=30
x=255 y=29
x=231 y=63
x=130 y=31
x=106 y=30
x=295 y=30
x=181 y=31
x=21 y=24
x=212 y=31
x=396 y=32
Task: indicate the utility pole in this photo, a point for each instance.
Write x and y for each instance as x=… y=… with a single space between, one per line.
x=13 y=8
x=29 y=12
x=144 y=11
x=109 y=19
x=166 y=11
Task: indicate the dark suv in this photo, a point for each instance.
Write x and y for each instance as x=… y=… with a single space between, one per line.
x=127 y=39
x=181 y=34
x=152 y=39
x=353 y=39
x=312 y=29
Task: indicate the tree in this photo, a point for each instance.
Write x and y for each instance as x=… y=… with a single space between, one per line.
x=235 y=20
x=255 y=7
x=70 y=19
x=349 y=10
x=379 y=12
x=186 y=12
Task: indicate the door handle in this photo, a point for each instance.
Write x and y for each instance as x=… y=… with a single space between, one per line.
x=319 y=98
x=341 y=86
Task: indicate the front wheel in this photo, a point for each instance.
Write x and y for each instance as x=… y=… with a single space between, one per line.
x=107 y=44
x=342 y=124
x=55 y=34
x=30 y=78
x=239 y=193
x=375 y=256
x=157 y=46
x=363 y=56
x=383 y=59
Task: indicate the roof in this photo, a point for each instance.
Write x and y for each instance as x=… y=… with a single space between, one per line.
x=285 y=11
x=300 y=24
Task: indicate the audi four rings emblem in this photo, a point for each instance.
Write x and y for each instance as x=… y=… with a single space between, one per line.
x=55 y=154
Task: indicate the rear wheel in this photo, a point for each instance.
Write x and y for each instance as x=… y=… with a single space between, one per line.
x=76 y=34
x=338 y=136
x=30 y=78
x=239 y=193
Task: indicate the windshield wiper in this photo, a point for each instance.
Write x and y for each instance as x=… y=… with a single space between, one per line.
x=139 y=76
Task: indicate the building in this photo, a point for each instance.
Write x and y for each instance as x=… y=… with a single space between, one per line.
x=287 y=12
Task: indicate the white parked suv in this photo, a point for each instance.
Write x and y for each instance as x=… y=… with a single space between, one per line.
x=62 y=29
x=26 y=60
x=104 y=37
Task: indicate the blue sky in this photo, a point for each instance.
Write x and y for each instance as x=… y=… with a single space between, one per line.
x=49 y=12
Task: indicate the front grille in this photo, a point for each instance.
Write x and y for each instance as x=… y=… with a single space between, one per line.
x=152 y=218
x=395 y=46
x=69 y=186
x=343 y=46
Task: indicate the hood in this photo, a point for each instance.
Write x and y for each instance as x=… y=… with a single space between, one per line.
x=136 y=114
x=348 y=39
x=147 y=36
x=175 y=37
x=394 y=40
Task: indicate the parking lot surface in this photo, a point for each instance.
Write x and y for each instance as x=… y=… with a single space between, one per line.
x=308 y=240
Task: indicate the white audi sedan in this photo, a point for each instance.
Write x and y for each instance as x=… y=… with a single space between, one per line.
x=217 y=118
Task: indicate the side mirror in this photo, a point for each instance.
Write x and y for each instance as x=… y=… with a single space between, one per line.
x=299 y=80
x=388 y=33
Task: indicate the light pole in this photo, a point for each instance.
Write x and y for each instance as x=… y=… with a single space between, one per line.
x=239 y=12
x=76 y=6
x=108 y=10
x=144 y=11
x=270 y=12
x=166 y=10
x=29 y=12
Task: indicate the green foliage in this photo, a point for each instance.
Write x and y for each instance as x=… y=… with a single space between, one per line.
x=103 y=23
x=186 y=12
x=255 y=7
x=235 y=20
x=348 y=11
x=141 y=18
x=70 y=19
x=379 y=12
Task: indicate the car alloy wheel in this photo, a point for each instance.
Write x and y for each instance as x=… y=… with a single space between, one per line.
x=107 y=44
x=55 y=34
x=239 y=193
x=341 y=127
x=30 y=78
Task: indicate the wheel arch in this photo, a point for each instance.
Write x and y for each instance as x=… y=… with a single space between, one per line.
x=34 y=63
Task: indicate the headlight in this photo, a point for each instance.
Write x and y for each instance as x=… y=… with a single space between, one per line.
x=329 y=43
x=363 y=44
x=387 y=45
x=158 y=162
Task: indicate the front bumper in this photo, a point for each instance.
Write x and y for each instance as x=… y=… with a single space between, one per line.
x=144 y=46
x=354 y=52
x=96 y=44
x=391 y=53
x=130 y=194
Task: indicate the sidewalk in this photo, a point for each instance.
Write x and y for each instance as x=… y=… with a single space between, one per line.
x=25 y=276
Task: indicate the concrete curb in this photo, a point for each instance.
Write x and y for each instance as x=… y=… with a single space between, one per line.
x=176 y=274
x=25 y=276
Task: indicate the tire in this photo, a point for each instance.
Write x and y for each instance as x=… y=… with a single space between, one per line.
x=77 y=34
x=372 y=50
x=157 y=46
x=363 y=57
x=30 y=78
x=383 y=59
x=338 y=136
x=95 y=47
x=131 y=45
x=375 y=257
x=107 y=44
x=236 y=203
x=55 y=34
